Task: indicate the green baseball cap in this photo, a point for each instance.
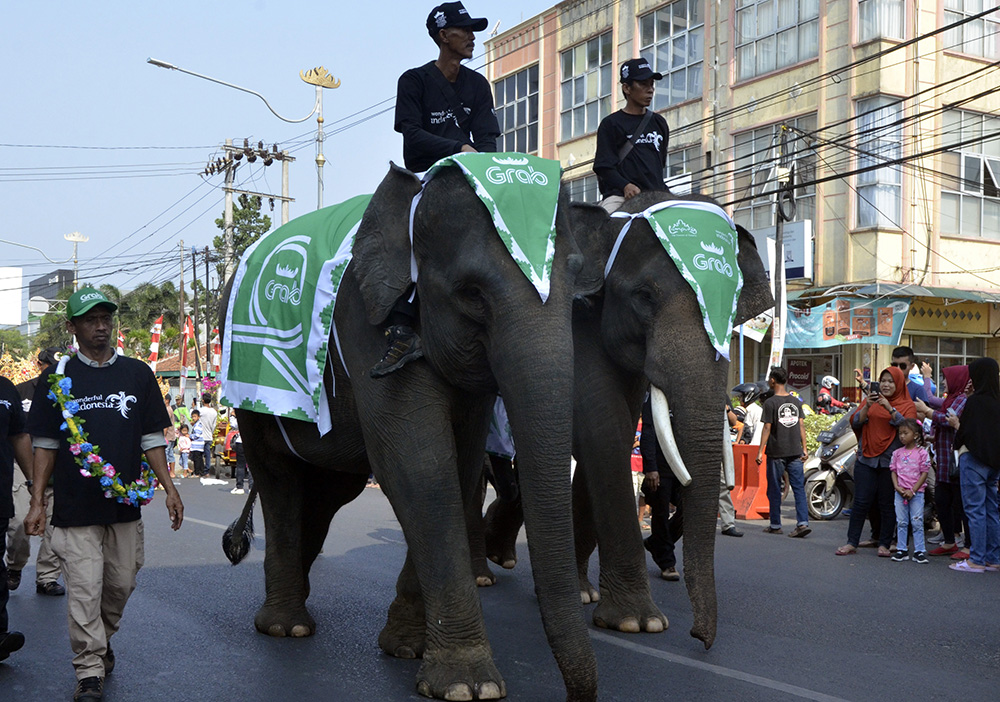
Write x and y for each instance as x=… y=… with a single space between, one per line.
x=83 y=299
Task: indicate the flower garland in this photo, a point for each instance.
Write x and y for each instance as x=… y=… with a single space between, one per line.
x=137 y=493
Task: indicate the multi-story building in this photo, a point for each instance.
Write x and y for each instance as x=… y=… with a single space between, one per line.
x=890 y=116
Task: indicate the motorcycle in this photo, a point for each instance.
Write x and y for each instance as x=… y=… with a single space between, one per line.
x=829 y=472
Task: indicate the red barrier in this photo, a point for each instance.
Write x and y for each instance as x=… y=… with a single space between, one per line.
x=750 y=494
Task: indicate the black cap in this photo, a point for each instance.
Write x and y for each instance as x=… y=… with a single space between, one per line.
x=453 y=14
x=637 y=69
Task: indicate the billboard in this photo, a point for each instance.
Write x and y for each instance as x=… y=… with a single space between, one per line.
x=49 y=285
x=847 y=320
x=10 y=296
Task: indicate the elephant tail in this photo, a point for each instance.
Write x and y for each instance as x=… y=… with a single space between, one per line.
x=237 y=538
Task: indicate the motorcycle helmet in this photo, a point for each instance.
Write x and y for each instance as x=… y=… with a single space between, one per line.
x=751 y=392
x=829 y=381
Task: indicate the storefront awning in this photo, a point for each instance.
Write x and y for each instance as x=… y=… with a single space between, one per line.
x=897 y=290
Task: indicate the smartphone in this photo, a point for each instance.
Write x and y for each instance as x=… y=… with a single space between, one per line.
x=874 y=388
x=951 y=412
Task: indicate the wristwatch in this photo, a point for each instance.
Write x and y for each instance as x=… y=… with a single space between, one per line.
x=29 y=483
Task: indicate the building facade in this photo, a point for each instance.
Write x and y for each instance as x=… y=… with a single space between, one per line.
x=886 y=108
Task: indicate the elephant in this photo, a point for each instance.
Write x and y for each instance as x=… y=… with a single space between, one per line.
x=422 y=431
x=642 y=328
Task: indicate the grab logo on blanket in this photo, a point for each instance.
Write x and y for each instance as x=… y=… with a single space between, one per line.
x=282 y=276
x=705 y=263
x=528 y=176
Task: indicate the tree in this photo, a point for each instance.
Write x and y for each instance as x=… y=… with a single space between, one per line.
x=14 y=342
x=249 y=225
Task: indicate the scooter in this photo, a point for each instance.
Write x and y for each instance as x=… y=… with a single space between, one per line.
x=829 y=472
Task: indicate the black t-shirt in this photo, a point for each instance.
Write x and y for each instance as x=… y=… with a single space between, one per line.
x=783 y=413
x=425 y=118
x=11 y=424
x=644 y=164
x=120 y=403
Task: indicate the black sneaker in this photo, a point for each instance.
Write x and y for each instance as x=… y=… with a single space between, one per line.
x=13 y=579
x=732 y=531
x=404 y=346
x=9 y=642
x=901 y=556
x=51 y=588
x=89 y=690
x=920 y=557
x=109 y=661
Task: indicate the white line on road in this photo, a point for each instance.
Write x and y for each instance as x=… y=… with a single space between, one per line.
x=716 y=669
x=202 y=521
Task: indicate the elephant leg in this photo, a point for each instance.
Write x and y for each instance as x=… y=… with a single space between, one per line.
x=585 y=537
x=505 y=515
x=281 y=483
x=416 y=461
x=405 y=632
x=474 y=525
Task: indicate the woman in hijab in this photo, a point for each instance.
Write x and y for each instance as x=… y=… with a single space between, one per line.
x=978 y=445
x=886 y=406
x=947 y=491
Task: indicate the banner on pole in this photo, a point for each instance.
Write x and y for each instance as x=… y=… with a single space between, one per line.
x=846 y=320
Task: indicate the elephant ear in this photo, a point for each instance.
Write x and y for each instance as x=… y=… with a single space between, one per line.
x=382 y=244
x=589 y=223
x=756 y=295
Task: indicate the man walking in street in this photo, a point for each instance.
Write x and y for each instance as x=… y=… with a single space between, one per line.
x=97 y=538
x=784 y=437
x=632 y=142
x=14 y=442
x=18 y=542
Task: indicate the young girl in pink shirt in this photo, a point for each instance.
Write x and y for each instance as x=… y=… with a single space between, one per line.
x=910 y=465
x=184 y=450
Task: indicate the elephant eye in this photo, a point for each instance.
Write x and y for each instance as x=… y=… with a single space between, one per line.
x=471 y=299
x=644 y=300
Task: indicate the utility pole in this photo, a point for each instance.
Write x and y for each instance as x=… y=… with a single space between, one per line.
x=194 y=293
x=228 y=222
x=284 y=186
x=181 y=318
x=207 y=298
x=785 y=195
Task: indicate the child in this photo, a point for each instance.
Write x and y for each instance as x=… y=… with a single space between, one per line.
x=197 y=445
x=183 y=450
x=910 y=465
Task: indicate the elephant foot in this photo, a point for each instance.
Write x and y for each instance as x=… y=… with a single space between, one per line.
x=502 y=523
x=484 y=576
x=632 y=616
x=468 y=674
x=405 y=632
x=280 y=622
x=588 y=593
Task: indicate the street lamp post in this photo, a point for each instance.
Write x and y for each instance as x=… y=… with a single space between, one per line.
x=77 y=238
x=316 y=76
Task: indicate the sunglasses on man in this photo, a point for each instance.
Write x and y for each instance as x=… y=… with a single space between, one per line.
x=901 y=364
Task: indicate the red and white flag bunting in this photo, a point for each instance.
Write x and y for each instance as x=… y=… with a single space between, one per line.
x=154 y=343
x=121 y=344
x=216 y=350
x=186 y=336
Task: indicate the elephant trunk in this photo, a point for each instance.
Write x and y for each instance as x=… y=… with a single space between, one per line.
x=537 y=396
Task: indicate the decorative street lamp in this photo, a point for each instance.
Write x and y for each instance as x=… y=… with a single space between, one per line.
x=77 y=238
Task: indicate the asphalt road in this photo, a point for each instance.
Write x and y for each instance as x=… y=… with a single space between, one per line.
x=795 y=623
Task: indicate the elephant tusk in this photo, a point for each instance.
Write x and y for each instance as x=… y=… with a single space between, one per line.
x=665 y=436
x=728 y=466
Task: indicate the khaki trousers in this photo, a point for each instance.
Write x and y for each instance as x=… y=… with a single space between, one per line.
x=727 y=512
x=612 y=203
x=99 y=564
x=18 y=543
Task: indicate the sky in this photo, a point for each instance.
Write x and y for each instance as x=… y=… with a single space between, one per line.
x=75 y=75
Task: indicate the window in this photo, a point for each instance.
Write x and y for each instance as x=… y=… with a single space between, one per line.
x=672 y=39
x=772 y=34
x=880 y=19
x=970 y=189
x=586 y=86
x=756 y=154
x=979 y=37
x=584 y=189
x=683 y=173
x=941 y=352
x=516 y=98
x=880 y=138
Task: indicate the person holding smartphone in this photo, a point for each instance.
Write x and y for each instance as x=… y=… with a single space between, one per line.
x=884 y=408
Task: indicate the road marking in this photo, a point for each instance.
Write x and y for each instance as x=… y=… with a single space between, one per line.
x=716 y=669
x=202 y=521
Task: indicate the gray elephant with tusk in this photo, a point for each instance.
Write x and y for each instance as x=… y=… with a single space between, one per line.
x=422 y=430
x=643 y=328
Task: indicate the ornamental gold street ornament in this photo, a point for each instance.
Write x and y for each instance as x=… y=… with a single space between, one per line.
x=320 y=78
